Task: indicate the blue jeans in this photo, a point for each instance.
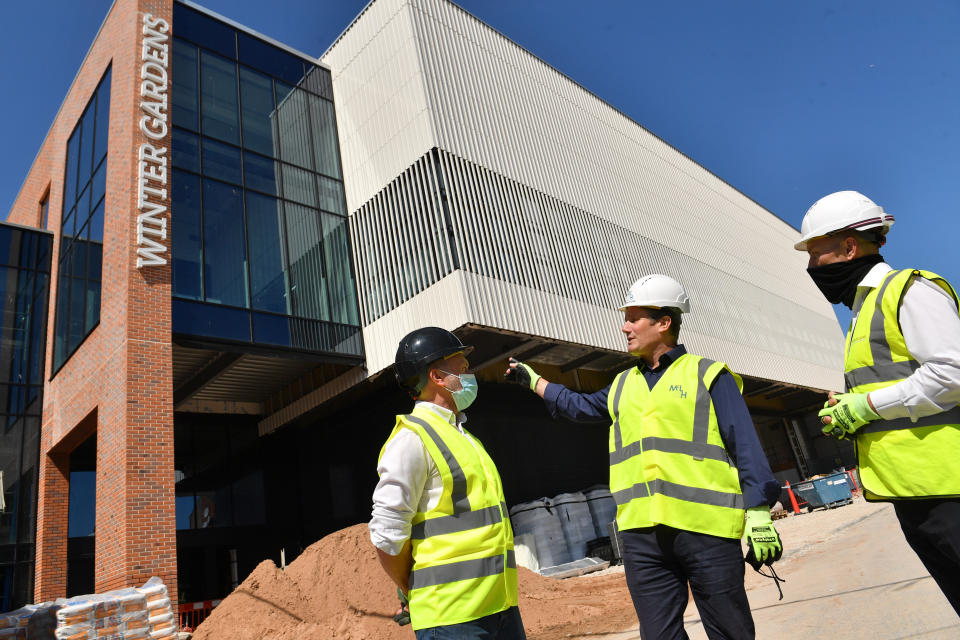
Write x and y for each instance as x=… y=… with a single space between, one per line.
x=505 y=625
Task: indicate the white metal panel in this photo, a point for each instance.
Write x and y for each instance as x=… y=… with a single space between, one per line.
x=554 y=200
x=382 y=114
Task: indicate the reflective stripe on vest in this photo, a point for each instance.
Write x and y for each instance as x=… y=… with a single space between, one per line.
x=668 y=464
x=464 y=570
x=459 y=497
x=898 y=458
x=680 y=492
x=697 y=448
x=883 y=367
x=449 y=583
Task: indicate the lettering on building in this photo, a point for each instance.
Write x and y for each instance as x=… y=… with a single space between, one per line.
x=152 y=165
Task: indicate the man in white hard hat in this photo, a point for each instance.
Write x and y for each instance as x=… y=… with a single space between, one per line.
x=902 y=376
x=686 y=467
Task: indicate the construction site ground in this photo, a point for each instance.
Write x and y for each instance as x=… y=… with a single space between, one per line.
x=849 y=572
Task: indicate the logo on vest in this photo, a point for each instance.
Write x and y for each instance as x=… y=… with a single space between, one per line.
x=679 y=389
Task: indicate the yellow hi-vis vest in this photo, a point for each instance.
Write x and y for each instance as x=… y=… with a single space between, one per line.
x=898 y=458
x=463 y=561
x=668 y=463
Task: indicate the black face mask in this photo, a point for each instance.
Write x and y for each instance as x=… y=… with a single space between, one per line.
x=838 y=281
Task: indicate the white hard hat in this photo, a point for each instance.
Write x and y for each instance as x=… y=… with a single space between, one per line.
x=842 y=210
x=657 y=291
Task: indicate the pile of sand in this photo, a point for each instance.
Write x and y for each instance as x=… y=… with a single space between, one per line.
x=336 y=590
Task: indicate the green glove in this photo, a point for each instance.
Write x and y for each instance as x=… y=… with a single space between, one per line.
x=522 y=374
x=762 y=538
x=851 y=411
x=402 y=618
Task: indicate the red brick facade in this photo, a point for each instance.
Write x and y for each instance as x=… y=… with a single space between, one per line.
x=118 y=384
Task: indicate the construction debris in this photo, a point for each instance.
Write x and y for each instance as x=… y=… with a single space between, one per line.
x=124 y=614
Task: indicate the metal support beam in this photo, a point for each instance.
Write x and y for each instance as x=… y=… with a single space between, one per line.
x=513 y=351
x=205 y=376
x=582 y=360
x=530 y=353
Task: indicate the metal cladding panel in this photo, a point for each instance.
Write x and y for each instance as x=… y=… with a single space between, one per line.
x=383 y=117
x=539 y=204
x=440 y=305
x=499 y=106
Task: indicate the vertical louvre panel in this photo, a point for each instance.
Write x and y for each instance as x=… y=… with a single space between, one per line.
x=551 y=195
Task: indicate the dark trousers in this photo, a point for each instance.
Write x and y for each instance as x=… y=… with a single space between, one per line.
x=505 y=625
x=932 y=528
x=660 y=561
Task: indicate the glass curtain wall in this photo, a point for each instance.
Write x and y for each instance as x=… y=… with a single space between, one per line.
x=81 y=230
x=261 y=249
x=25 y=258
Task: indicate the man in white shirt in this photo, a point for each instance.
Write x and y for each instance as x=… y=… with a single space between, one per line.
x=440 y=522
x=902 y=373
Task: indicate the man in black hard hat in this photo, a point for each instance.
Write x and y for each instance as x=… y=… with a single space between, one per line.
x=439 y=520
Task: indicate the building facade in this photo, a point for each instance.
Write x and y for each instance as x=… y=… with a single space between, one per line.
x=240 y=233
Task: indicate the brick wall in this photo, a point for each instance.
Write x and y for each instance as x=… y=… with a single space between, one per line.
x=121 y=376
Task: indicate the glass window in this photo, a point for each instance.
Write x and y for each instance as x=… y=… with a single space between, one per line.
x=248 y=499
x=293 y=128
x=256 y=93
x=99 y=185
x=83 y=208
x=9 y=241
x=218 y=84
x=75 y=323
x=70 y=176
x=103 y=120
x=81 y=229
x=336 y=251
x=96 y=224
x=45 y=210
x=318 y=81
x=187 y=249
x=298 y=185
x=186 y=108
x=267 y=276
x=224 y=245
x=262 y=250
x=203 y=30
x=260 y=173
x=308 y=287
x=87 y=123
x=266 y=57
x=60 y=318
x=186 y=150
x=221 y=161
x=325 y=136
x=331 y=195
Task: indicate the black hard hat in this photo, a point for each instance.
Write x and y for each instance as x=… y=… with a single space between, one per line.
x=421 y=348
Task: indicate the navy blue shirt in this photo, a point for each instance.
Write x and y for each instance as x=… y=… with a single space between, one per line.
x=739 y=436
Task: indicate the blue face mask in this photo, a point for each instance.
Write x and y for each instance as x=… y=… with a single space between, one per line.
x=467 y=393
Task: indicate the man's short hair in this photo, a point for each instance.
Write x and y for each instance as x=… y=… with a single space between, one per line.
x=676 y=319
x=872 y=238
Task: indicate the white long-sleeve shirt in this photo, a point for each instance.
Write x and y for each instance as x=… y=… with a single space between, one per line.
x=409 y=483
x=931 y=330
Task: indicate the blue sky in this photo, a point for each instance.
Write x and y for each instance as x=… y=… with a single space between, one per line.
x=785 y=101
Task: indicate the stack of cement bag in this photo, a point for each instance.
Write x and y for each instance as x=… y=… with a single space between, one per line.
x=142 y=613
